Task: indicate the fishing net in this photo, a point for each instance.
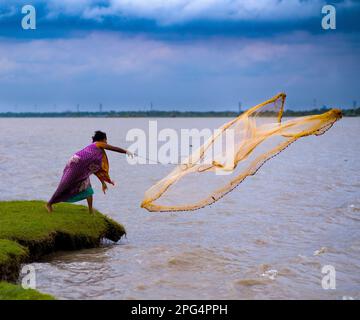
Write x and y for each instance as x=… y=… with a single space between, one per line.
x=233 y=152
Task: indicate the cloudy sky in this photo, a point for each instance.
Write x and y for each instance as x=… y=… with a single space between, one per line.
x=177 y=54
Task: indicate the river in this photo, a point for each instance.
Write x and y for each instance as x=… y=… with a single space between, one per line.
x=268 y=239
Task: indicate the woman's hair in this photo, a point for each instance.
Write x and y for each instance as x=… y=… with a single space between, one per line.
x=98 y=136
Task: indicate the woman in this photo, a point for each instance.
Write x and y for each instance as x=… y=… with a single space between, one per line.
x=75 y=182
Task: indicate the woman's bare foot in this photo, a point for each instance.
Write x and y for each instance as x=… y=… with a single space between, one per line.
x=91 y=211
x=49 y=208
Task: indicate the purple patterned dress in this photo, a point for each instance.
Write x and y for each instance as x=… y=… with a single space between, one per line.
x=75 y=182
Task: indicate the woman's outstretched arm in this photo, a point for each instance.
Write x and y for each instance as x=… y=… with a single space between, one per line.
x=116 y=149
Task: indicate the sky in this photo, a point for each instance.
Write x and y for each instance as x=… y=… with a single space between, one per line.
x=177 y=55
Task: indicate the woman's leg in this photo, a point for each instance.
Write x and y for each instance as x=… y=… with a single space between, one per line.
x=90 y=203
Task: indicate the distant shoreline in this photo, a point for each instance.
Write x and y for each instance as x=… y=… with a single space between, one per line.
x=162 y=114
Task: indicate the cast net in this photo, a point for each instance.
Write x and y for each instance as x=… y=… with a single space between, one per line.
x=231 y=153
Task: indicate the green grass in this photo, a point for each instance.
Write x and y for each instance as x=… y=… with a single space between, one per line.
x=10 y=250
x=28 y=231
x=29 y=221
x=10 y=291
x=12 y=255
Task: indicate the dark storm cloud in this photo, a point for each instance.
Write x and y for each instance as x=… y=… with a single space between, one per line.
x=177 y=20
x=200 y=54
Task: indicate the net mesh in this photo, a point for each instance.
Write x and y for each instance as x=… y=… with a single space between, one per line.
x=233 y=152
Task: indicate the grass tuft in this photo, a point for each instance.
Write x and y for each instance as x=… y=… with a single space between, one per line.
x=10 y=291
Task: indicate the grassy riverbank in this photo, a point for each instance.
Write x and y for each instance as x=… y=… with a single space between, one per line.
x=28 y=232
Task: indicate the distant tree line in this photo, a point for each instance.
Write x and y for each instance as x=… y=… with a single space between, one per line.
x=157 y=114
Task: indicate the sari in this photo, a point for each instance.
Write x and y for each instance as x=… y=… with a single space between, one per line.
x=75 y=182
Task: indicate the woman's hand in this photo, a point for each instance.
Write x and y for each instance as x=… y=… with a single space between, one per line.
x=129 y=154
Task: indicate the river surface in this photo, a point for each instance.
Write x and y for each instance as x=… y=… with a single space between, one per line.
x=268 y=239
